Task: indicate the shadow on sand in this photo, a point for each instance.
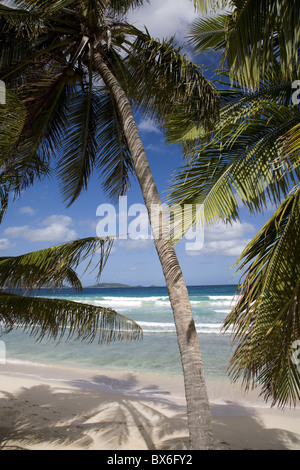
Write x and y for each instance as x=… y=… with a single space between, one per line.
x=114 y=414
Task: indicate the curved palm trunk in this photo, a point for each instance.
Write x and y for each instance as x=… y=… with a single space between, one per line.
x=199 y=418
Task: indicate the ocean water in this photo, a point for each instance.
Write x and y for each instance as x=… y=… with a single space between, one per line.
x=158 y=350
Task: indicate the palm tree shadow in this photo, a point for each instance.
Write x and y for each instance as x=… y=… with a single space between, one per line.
x=89 y=418
x=238 y=427
x=116 y=414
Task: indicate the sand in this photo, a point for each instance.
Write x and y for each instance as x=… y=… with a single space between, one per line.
x=47 y=408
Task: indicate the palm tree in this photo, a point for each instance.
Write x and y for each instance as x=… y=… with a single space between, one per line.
x=253 y=152
x=79 y=67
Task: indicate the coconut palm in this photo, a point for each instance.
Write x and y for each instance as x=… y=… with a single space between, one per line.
x=79 y=68
x=253 y=153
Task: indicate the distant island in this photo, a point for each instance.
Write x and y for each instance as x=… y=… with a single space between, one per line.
x=103 y=285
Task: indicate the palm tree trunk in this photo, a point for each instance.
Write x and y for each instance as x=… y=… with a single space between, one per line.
x=198 y=412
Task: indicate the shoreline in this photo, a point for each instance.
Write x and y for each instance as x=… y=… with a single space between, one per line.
x=62 y=408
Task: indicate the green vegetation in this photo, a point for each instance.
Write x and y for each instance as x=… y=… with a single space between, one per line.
x=78 y=67
x=253 y=154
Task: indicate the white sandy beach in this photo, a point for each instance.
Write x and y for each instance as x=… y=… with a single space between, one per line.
x=63 y=409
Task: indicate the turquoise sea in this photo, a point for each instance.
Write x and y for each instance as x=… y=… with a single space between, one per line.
x=156 y=352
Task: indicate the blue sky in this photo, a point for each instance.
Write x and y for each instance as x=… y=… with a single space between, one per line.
x=39 y=218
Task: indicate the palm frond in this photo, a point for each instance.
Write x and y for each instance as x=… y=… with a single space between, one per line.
x=123 y=6
x=209 y=34
x=242 y=159
x=265 y=33
x=62 y=319
x=38 y=144
x=79 y=147
x=114 y=162
x=21 y=22
x=257 y=37
x=237 y=106
x=12 y=120
x=54 y=266
x=290 y=146
x=94 y=118
x=165 y=78
x=208 y=6
x=46 y=7
x=266 y=319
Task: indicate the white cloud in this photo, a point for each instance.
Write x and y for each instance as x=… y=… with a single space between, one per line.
x=89 y=224
x=165 y=18
x=226 y=248
x=16 y=232
x=6 y=244
x=27 y=210
x=55 y=228
x=138 y=244
x=147 y=125
x=225 y=240
x=269 y=207
x=154 y=148
x=221 y=231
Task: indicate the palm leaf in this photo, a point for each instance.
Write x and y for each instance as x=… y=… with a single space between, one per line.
x=259 y=36
x=266 y=319
x=242 y=159
x=209 y=34
x=237 y=105
x=12 y=120
x=206 y=6
x=93 y=118
x=18 y=20
x=122 y=6
x=114 y=162
x=54 y=266
x=62 y=319
x=164 y=78
x=56 y=318
x=47 y=7
x=265 y=33
x=79 y=147
x=290 y=145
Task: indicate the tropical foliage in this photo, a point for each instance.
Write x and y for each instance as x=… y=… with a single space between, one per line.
x=22 y=277
x=252 y=154
x=80 y=69
x=53 y=61
x=241 y=158
x=266 y=317
x=253 y=36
